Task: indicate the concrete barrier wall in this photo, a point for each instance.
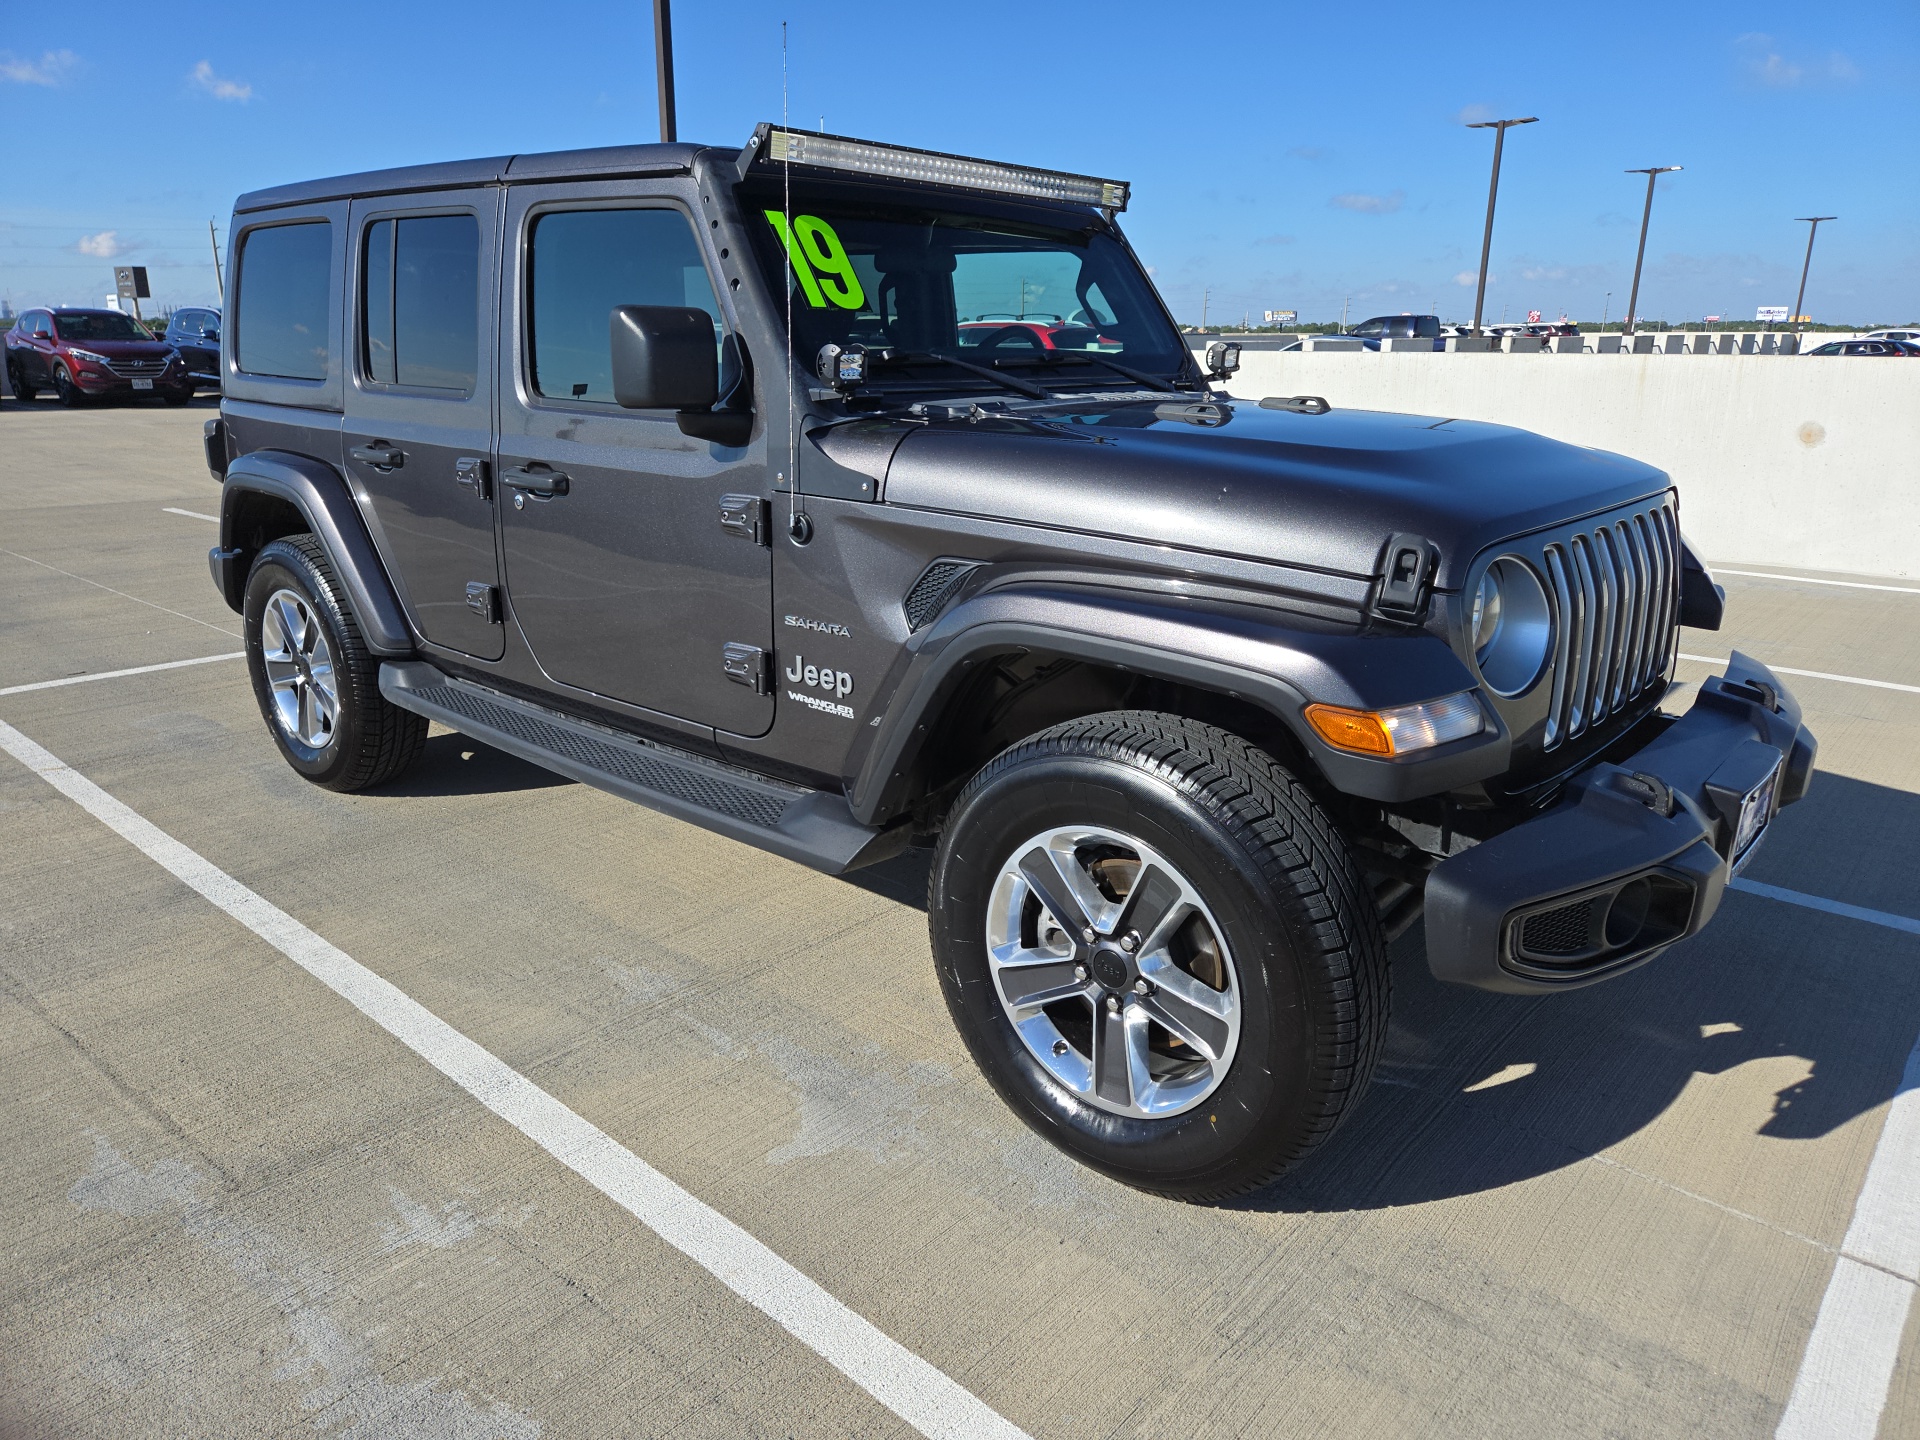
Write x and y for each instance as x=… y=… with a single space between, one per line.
x=1780 y=461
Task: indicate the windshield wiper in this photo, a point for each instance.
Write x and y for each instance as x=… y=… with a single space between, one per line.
x=1010 y=382
x=1139 y=377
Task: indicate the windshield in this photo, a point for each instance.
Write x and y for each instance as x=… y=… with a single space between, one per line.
x=101 y=325
x=987 y=288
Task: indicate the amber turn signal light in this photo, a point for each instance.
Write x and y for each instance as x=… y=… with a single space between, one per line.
x=1357 y=731
x=1400 y=730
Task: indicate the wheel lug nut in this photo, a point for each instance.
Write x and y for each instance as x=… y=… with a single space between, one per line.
x=1089 y=935
x=1130 y=941
x=1141 y=987
x=1113 y=1004
x=1079 y=972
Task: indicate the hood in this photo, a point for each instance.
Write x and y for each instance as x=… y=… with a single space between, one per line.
x=123 y=349
x=1320 y=491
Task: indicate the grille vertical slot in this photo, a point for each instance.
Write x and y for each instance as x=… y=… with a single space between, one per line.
x=1615 y=593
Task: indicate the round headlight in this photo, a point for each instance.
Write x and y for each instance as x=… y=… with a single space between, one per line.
x=1512 y=627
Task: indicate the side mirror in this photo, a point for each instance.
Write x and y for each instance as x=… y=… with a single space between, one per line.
x=664 y=358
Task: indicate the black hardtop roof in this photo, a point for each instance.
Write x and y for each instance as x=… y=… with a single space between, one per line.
x=607 y=161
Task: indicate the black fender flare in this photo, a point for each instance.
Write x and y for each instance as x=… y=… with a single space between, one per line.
x=320 y=494
x=1279 y=662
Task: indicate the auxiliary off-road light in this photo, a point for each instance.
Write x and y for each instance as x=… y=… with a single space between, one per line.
x=1401 y=730
x=931 y=167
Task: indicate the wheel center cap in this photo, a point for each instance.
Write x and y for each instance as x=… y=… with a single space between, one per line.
x=1111 y=968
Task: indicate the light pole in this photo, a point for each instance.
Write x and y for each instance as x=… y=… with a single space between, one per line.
x=1499 y=128
x=1813 y=229
x=663 y=67
x=1652 y=172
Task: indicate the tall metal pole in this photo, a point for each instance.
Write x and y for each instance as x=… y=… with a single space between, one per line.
x=1652 y=173
x=1813 y=229
x=220 y=284
x=663 y=65
x=1499 y=128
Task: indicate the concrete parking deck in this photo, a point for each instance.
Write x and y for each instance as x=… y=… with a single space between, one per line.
x=235 y=1204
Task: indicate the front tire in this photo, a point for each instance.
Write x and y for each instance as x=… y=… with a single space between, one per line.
x=66 y=390
x=1160 y=952
x=317 y=684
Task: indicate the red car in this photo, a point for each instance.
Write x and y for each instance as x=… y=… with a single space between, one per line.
x=1030 y=333
x=81 y=354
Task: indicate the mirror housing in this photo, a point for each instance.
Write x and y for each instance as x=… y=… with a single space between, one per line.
x=663 y=358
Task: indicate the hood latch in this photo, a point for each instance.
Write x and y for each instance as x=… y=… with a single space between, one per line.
x=1405 y=578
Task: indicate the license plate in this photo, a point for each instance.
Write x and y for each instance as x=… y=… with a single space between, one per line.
x=143 y=384
x=1756 y=811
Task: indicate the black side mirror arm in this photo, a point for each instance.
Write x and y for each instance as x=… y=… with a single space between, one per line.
x=729 y=421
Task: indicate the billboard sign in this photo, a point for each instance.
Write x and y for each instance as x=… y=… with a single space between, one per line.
x=1771 y=313
x=1282 y=317
x=1533 y=317
x=130 y=282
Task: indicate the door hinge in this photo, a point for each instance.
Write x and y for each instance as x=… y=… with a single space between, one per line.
x=471 y=471
x=745 y=516
x=1407 y=567
x=747 y=665
x=484 y=601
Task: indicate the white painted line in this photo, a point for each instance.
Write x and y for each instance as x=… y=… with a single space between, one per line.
x=121 y=593
x=1812 y=674
x=118 y=674
x=190 y=514
x=1831 y=907
x=1809 y=580
x=919 y=1393
x=1847 y=1367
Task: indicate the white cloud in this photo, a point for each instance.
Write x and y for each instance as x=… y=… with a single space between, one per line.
x=1473 y=114
x=1766 y=64
x=1370 y=204
x=103 y=246
x=204 y=77
x=1471 y=278
x=51 y=68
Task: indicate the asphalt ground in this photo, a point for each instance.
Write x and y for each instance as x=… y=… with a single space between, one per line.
x=233 y=1204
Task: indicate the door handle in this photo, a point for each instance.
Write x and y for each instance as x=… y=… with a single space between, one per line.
x=379 y=455
x=542 y=482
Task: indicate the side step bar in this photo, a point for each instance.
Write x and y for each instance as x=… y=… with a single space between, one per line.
x=812 y=826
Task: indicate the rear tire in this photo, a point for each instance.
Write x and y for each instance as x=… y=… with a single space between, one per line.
x=1282 y=990
x=21 y=390
x=317 y=684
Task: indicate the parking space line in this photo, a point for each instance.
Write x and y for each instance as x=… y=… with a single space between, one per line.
x=1831 y=907
x=1847 y=1368
x=1809 y=580
x=1812 y=674
x=190 y=514
x=121 y=593
x=120 y=674
x=913 y=1389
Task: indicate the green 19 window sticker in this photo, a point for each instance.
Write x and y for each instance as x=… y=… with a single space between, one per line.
x=820 y=261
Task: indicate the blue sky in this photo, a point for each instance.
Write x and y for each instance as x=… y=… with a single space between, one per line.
x=1284 y=156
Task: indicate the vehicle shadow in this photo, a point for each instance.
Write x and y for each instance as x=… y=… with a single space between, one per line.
x=1476 y=1091
x=455 y=765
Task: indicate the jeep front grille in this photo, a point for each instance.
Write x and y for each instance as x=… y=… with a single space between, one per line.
x=1615 y=592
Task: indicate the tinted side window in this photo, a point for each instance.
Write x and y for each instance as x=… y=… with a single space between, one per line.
x=420 y=319
x=281 y=308
x=586 y=262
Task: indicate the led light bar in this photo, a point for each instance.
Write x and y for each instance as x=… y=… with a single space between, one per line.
x=930 y=167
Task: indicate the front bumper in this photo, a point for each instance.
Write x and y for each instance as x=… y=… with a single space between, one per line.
x=1635 y=855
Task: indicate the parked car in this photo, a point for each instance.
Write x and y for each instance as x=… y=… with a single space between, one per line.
x=1200 y=698
x=195 y=333
x=1372 y=331
x=1865 y=347
x=1910 y=336
x=92 y=354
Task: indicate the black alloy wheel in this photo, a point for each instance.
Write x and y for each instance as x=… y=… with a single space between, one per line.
x=65 y=389
x=1160 y=951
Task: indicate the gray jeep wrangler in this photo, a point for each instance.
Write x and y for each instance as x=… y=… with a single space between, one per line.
x=841 y=497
